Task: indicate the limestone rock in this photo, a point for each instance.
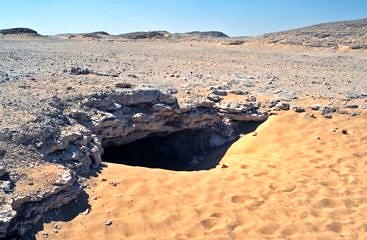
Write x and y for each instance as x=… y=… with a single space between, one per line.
x=85 y=124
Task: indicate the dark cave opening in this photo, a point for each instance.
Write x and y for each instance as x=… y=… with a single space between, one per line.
x=180 y=151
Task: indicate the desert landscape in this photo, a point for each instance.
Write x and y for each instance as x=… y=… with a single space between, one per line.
x=197 y=135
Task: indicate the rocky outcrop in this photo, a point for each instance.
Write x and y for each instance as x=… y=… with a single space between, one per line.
x=70 y=139
x=36 y=191
x=128 y=114
x=240 y=111
x=350 y=34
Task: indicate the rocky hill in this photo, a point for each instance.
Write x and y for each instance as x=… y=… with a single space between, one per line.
x=148 y=35
x=352 y=34
x=98 y=34
x=18 y=31
x=145 y=35
x=205 y=34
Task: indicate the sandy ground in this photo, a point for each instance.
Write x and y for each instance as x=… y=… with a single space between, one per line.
x=298 y=177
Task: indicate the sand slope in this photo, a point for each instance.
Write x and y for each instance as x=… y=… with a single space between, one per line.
x=299 y=178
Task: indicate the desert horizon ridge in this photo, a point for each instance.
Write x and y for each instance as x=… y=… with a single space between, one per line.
x=197 y=135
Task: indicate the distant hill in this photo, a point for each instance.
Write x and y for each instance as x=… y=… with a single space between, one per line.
x=198 y=34
x=92 y=35
x=352 y=34
x=18 y=31
x=145 y=35
x=131 y=35
x=99 y=34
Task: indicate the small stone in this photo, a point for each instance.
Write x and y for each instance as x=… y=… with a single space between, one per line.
x=254 y=134
x=333 y=129
x=283 y=106
x=94 y=197
x=273 y=103
x=352 y=106
x=298 y=109
x=224 y=166
x=79 y=71
x=214 y=98
x=103 y=179
x=326 y=110
x=132 y=76
x=344 y=131
x=219 y=92
x=123 y=85
x=328 y=116
x=55 y=231
x=341 y=111
x=108 y=223
x=315 y=107
x=352 y=95
x=317 y=138
x=353 y=114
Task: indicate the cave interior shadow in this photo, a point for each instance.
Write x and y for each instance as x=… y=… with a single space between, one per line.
x=181 y=151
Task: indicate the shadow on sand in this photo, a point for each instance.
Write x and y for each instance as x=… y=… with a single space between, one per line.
x=65 y=213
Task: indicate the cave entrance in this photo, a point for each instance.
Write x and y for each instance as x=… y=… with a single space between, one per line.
x=180 y=151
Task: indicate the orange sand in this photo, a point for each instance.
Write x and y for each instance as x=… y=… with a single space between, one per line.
x=296 y=179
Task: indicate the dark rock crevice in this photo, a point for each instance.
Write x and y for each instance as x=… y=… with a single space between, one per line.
x=187 y=150
x=179 y=151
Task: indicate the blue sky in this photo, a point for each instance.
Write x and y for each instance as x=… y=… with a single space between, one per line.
x=233 y=17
